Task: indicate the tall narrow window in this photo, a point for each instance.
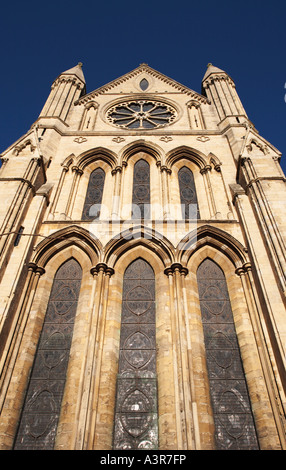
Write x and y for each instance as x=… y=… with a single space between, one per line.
x=91 y=209
x=141 y=190
x=136 y=397
x=41 y=410
x=188 y=195
x=18 y=236
x=234 y=425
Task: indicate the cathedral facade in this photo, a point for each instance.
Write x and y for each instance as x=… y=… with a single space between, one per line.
x=143 y=271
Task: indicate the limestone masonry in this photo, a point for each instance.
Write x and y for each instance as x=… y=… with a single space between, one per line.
x=142 y=271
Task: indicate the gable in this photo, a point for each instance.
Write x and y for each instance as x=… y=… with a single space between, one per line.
x=143 y=79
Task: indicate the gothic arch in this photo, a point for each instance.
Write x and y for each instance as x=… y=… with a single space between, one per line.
x=67 y=162
x=214 y=160
x=140 y=146
x=33 y=308
x=227 y=258
x=120 y=254
x=141 y=152
x=139 y=236
x=189 y=153
x=68 y=237
x=98 y=153
x=53 y=352
x=212 y=236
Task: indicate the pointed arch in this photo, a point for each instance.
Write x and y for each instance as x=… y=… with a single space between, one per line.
x=98 y=153
x=214 y=160
x=120 y=254
x=42 y=405
x=64 y=238
x=228 y=388
x=141 y=190
x=140 y=146
x=188 y=194
x=93 y=197
x=189 y=153
x=137 y=378
x=68 y=161
x=136 y=236
x=215 y=237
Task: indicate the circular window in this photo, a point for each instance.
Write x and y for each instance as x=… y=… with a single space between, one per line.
x=141 y=114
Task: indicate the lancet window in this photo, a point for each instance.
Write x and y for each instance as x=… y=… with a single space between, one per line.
x=41 y=410
x=188 y=194
x=234 y=425
x=136 y=397
x=91 y=209
x=141 y=190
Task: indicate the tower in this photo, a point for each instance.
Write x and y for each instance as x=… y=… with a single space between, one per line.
x=142 y=271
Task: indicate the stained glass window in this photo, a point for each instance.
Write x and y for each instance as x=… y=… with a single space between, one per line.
x=234 y=425
x=42 y=406
x=141 y=114
x=91 y=209
x=141 y=190
x=136 y=417
x=188 y=195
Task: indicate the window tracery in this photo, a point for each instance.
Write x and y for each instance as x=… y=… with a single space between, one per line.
x=91 y=209
x=141 y=190
x=141 y=114
x=136 y=397
x=188 y=194
x=41 y=410
x=234 y=425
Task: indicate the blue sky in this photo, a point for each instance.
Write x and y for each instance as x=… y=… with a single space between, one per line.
x=178 y=38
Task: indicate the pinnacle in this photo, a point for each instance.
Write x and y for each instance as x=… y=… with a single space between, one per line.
x=77 y=70
x=212 y=69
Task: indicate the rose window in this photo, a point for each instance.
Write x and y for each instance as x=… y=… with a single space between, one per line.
x=141 y=114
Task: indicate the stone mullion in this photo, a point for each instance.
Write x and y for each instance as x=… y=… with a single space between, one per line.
x=165 y=191
x=196 y=429
x=183 y=358
x=83 y=396
x=122 y=185
x=89 y=373
x=93 y=441
x=117 y=172
x=176 y=356
x=95 y=354
x=245 y=274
